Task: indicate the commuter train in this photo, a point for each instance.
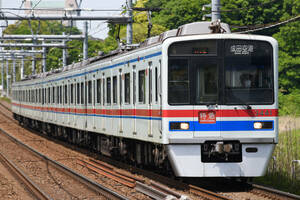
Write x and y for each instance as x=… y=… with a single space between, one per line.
x=198 y=103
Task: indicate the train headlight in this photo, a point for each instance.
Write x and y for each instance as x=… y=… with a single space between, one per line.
x=263 y=125
x=184 y=126
x=258 y=125
x=179 y=125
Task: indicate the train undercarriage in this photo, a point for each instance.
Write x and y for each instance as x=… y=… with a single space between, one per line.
x=138 y=153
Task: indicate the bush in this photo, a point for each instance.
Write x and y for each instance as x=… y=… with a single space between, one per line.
x=289 y=103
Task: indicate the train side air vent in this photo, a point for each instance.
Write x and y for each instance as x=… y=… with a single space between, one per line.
x=167 y=34
x=199 y=28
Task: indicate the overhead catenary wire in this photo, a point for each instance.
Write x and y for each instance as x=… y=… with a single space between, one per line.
x=36 y=4
x=271 y=25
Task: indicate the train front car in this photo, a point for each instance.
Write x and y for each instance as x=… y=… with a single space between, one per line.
x=221 y=107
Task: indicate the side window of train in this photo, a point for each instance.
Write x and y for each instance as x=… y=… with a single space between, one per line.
x=53 y=94
x=72 y=93
x=40 y=96
x=89 y=92
x=48 y=99
x=57 y=95
x=127 y=88
x=66 y=94
x=43 y=95
x=82 y=94
x=94 y=92
x=134 y=84
x=115 y=90
x=150 y=82
x=120 y=87
x=60 y=95
x=103 y=90
x=35 y=96
x=108 y=90
x=142 y=86
x=98 y=90
x=156 y=84
x=78 y=94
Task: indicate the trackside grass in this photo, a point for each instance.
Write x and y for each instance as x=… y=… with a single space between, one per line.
x=284 y=169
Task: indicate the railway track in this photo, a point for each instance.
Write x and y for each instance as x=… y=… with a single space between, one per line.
x=29 y=185
x=170 y=188
x=88 y=187
x=272 y=193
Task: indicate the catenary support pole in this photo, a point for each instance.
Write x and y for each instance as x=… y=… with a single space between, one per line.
x=64 y=53
x=7 y=79
x=85 y=41
x=14 y=70
x=33 y=58
x=44 y=59
x=129 y=25
x=2 y=76
x=215 y=10
x=22 y=68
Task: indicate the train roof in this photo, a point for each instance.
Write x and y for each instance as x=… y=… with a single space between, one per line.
x=195 y=28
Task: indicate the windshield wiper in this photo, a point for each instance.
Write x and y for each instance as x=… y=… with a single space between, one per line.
x=244 y=104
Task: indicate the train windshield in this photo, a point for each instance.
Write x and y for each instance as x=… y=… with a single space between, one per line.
x=248 y=72
x=228 y=72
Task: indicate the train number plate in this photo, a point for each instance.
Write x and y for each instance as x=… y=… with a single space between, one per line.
x=207 y=117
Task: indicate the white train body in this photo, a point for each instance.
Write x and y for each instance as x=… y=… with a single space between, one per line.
x=182 y=93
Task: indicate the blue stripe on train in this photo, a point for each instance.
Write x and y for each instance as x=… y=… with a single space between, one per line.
x=224 y=126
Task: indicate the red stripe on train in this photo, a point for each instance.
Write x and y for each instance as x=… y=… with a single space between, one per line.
x=160 y=113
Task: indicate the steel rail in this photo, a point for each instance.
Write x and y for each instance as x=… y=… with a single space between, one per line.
x=152 y=192
x=28 y=183
x=274 y=191
x=206 y=193
x=88 y=182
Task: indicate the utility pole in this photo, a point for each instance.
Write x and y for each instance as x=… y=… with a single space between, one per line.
x=215 y=10
x=85 y=41
x=129 y=25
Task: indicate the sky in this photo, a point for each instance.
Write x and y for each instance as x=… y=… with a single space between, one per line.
x=96 y=28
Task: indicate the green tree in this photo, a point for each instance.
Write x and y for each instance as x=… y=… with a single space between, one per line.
x=175 y=13
x=140 y=26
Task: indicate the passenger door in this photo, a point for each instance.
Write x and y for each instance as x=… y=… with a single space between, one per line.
x=205 y=87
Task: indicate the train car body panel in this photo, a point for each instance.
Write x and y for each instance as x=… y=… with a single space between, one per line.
x=209 y=102
x=214 y=125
